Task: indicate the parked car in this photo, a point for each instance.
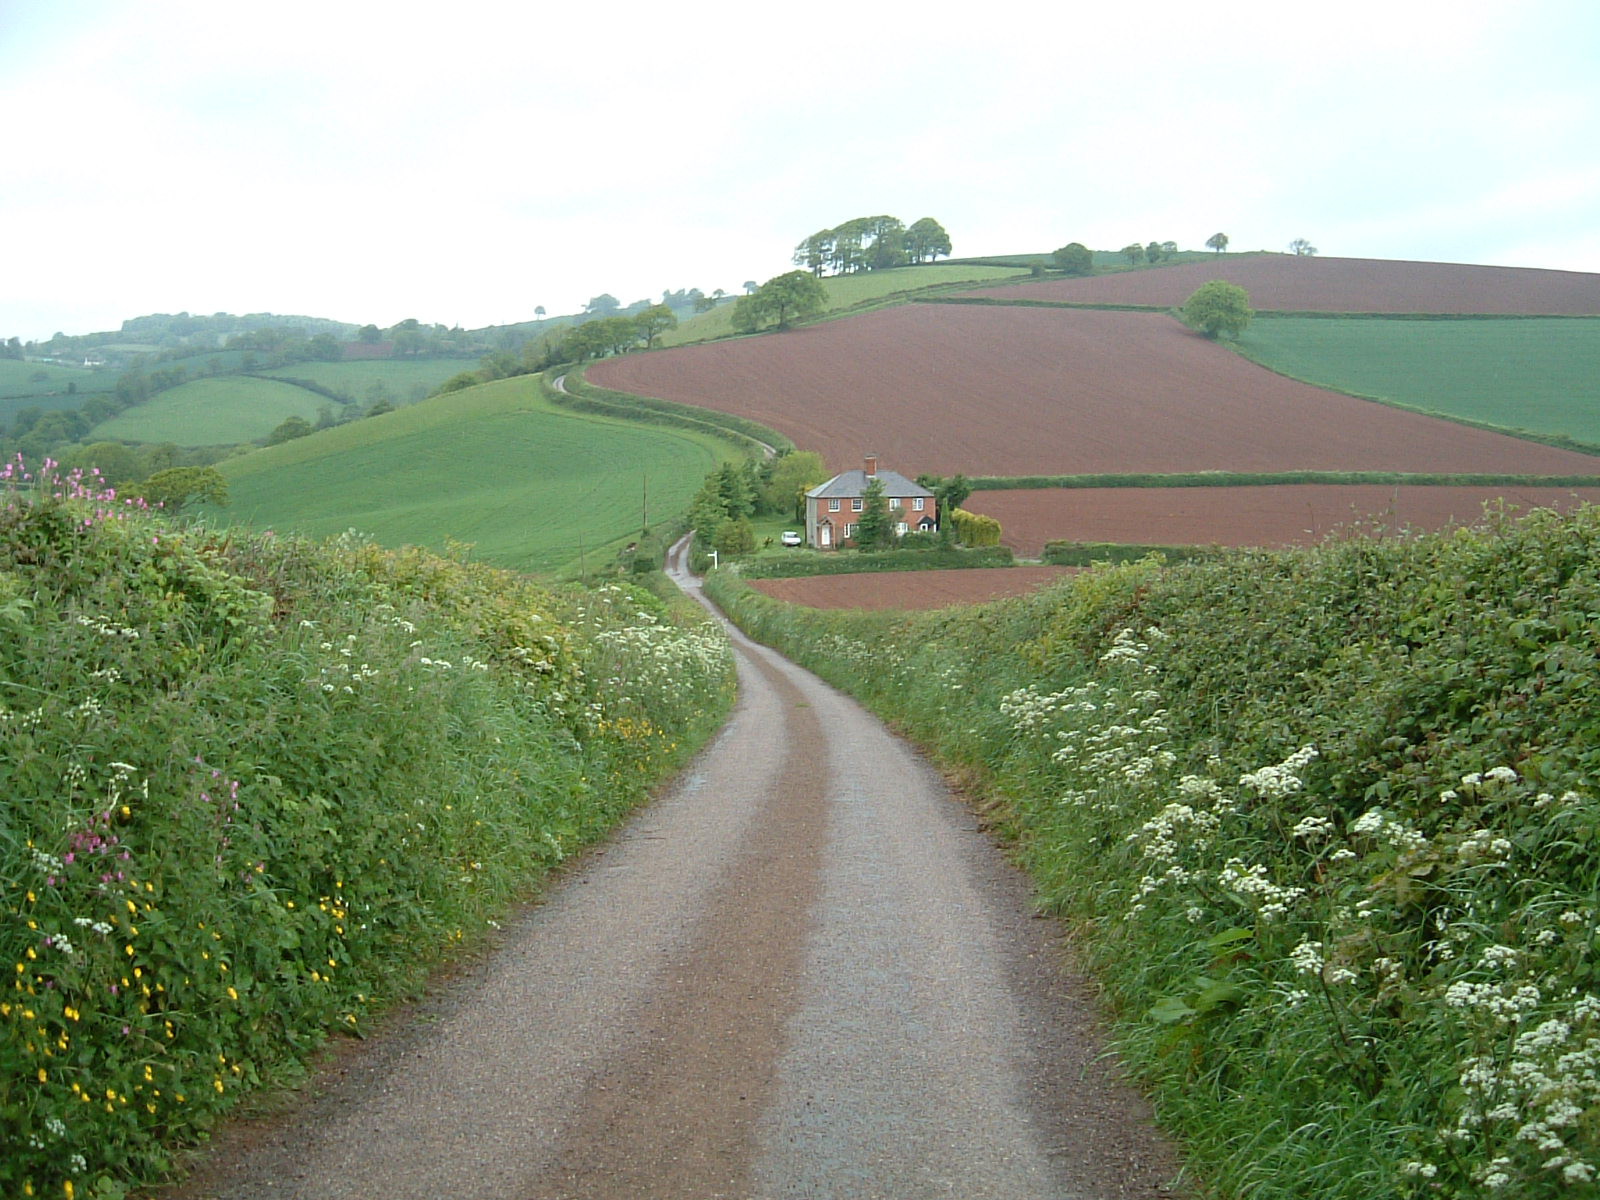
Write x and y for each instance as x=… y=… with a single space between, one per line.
x=790 y=538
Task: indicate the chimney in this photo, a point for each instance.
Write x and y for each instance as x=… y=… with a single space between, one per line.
x=872 y=465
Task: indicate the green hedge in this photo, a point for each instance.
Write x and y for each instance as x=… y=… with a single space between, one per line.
x=1085 y=554
x=1326 y=823
x=854 y=562
x=253 y=788
x=1001 y=483
x=585 y=397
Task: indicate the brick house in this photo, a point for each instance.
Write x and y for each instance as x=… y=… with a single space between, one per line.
x=833 y=509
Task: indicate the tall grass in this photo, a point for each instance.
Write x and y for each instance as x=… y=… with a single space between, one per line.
x=253 y=787
x=1326 y=824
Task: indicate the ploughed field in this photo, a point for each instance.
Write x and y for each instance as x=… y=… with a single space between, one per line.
x=990 y=390
x=1276 y=515
x=910 y=589
x=1287 y=283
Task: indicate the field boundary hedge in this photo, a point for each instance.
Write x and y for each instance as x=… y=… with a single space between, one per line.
x=1191 y=479
x=1087 y=554
x=583 y=396
x=847 y=562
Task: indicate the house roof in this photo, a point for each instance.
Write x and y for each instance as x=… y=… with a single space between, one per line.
x=854 y=483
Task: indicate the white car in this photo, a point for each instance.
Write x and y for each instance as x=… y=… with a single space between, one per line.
x=790 y=538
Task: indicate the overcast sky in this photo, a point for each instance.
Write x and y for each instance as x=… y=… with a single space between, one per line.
x=466 y=162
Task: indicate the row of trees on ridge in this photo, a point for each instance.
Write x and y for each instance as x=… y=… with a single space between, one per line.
x=872 y=244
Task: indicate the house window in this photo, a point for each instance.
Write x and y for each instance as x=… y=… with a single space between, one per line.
x=850 y=531
x=856 y=504
x=901 y=528
x=916 y=504
x=833 y=505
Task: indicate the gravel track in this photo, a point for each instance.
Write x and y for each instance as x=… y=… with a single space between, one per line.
x=802 y=973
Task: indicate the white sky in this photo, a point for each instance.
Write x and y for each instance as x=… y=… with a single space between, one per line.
x=465 y=162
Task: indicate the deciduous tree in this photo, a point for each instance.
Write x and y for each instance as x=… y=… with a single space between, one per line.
x=926 y=240
x=1218 y=307
x=1074 y=258
x=653 y=322
x=1302 y=247
x=780 y=301
x=874 y=529
x=1218 y=242
x=176 y=487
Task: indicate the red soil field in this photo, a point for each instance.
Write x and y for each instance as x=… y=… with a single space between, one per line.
x=1278 y=515
x=1307 y=284
x=1041 y=391
x=910 y=589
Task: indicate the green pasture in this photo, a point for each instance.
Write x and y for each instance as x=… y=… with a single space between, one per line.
x=528 y=485
x=1537 y=374
x=212 y=412
x=17 y=380
x=847 y=291
x=403 y=381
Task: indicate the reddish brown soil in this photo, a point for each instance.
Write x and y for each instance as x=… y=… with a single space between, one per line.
x=910 y=589
x=1285 y=282
x=1241 y=516
x=1039 y=391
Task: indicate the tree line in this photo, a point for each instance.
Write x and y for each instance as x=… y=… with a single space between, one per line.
x=871 y=244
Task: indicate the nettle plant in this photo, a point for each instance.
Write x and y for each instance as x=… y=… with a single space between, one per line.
x=1440 y=972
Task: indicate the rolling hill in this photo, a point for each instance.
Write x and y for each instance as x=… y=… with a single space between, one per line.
x=529 y=486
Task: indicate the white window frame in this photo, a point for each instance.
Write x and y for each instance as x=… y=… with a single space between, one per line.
x=833 y=505
x=857 y=504
x=916 y=503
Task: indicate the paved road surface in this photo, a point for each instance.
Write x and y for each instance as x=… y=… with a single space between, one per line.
x=802 y=974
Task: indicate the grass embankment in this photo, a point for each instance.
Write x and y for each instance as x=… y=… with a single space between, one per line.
x=1326 y=823
x=253 y=788
x=1538 y=374
x=528 y=485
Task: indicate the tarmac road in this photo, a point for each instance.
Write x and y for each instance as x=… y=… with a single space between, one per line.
x=804 y=972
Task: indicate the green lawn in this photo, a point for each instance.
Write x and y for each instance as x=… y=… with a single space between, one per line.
x=403 y=381
x=845 y=291
x=530 y=486
x=212 y=412
x=1536 y=374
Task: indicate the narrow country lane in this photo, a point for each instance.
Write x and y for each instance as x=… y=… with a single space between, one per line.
x=802 y=973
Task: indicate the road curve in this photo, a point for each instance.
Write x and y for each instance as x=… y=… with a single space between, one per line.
x=802 y=973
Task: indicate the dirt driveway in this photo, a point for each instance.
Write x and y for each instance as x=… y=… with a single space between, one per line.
x=802 y=973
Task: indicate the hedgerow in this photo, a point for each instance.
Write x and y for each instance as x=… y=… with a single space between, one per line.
x=253 y=788
x=1326 y=824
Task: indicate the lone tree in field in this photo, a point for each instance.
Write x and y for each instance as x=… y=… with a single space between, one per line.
x=1218 y=308
x=1074 y=258
x=1218 y=242
x=1302 y=248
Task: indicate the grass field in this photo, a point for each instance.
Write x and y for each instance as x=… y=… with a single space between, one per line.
x=528 y=485
x=404 y=381
x=1539 y=375
x=212 y=412
x=17 y=379
x=845 y=291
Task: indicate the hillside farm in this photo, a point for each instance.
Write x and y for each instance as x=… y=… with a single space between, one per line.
x=1288 y=283
x=1008 y=391
x=1271 y=516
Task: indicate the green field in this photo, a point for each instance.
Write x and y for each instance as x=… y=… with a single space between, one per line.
x=1536 y=374
x=403 y=381
x=17 y=380
x=529 y=486
x=846 y=291
x=212 y=412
